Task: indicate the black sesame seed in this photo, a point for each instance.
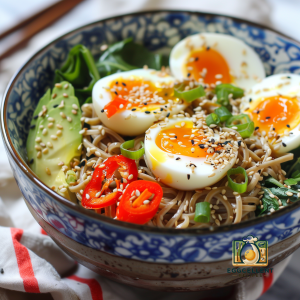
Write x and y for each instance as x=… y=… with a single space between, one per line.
x=117 y=82
x=86 y=125
x=102 y=110
x=2 y=271
x=207 y=48
x=161 y=109
x=258 y=112
x=289 y=77
x=192 y=141
x=288 y=126
x=202 y=146
x=268 y=118
x=31 y=161
x=155 y=112
x=145 y=103
x=274 y=128
x=256 y=128
x=82 y=164
x=91 y=156
x=116 y=93
x=250 y=100
x=35 y=117
x=226 y=142
x=121 y=179
x=283 y=144
x=188 y=74
x=133 y=109
x=166 y=94
x=32 y=126
x=147 y=112
x=175 y=136
x=54 y=106
x=123 y=83
x=239 y=143
x=259 y=171
x=177 y=158
x=196 y=58
x=188 y=176
x=212 y=141
x=168 y=114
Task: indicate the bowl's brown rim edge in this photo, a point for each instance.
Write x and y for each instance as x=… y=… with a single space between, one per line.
x=123 y=225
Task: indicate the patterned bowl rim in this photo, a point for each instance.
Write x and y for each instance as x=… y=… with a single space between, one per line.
x=170 y=231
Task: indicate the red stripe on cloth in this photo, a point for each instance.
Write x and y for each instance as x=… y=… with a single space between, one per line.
x=93 y=284
x=43 y=231
x=24 y=262
x=268 y=280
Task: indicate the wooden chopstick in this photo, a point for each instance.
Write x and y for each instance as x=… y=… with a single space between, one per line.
x=34 y=24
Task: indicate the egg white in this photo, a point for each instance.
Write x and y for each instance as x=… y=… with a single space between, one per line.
x=139 y=121
x=285 y=85
x=174 y=173
x=238 y=55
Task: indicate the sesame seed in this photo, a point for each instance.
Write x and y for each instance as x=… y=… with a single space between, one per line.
x=38 y=148
x=50 y=125
x=53 y=137
x=74 y=112
x=102 y=166
x=188 y=176
x=59 y=132
x=289 y=193
x=65 y=95
x=62 y=114
x=38 y=139
x=45 y=131
x=69 y=119
x=45 y=151
x=59 y=126
x=146 y=202
x=87 y=196
x=48 y=171
x=130 y=177
x=137 y=193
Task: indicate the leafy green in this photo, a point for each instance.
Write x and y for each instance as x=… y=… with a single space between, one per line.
x=80 y=70
x=273 y=188
x=128 y=55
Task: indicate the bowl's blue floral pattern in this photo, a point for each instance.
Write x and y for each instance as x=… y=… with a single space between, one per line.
x=159 y=31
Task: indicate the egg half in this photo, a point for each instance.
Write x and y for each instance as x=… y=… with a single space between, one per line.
x=130 y=102
x=175 y=154
x=215 y=58
x=274 y=106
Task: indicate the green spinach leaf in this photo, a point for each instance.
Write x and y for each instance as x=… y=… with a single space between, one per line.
x=80 y=70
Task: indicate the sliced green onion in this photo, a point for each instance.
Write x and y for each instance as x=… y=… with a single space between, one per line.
x=212 y=119
x=189 y=95
x=231 y=89
x=237 y=187
x=70 y=176
x=132 y=154
x=202 y=212
x=242 y=122
x=222 y=96
x=223 y=113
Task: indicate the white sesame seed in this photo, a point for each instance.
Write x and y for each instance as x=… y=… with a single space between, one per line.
x=74 y=112
x=137 y=193
x=102 y=166
x=69 y=119
x=289 y=193
x=146 y=202
x=38 y=139
x=45 y=151
x=87 y=196
x=121 y=106
x=62 y=114
x=48 y=171
x=59 y=132
x=130 y=177
x=45 y=131
x=53 y=137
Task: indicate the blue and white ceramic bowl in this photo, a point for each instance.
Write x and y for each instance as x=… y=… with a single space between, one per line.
x=166 y=249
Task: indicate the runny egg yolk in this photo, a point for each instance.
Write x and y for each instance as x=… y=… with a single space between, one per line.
x=143 y=94
x=209 y=65
x=179 y=139
x=276 y=113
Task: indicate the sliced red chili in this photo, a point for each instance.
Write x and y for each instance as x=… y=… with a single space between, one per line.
x=114 y=106
x=135 y=211
x=96 y=195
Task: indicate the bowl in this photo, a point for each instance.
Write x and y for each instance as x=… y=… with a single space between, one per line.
x=159 y=259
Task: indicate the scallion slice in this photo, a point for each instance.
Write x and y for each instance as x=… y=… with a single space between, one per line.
x=212 y=119
x=223 y=113
x=222 y=96
x=132 y=154
x=189 y=95
x=237 y=187
x=202 y=212
x=242 y=122
x=231 y=89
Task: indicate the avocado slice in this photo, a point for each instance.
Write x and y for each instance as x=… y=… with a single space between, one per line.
x=55 y=137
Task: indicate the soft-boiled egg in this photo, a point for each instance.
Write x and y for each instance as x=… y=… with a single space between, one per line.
x=215 y=58
x=181 y=157
x=130 y=102
x=274 y=106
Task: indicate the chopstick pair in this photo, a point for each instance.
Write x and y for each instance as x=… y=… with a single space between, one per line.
x=21 y=33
